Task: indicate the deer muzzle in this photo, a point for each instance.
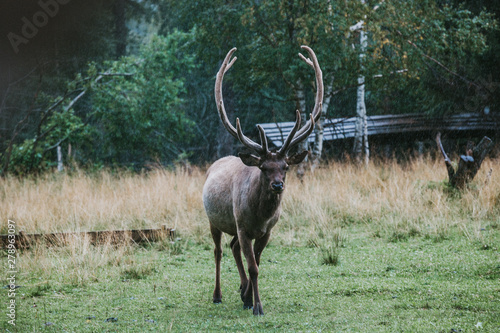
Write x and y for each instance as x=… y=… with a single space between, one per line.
x=278 y=187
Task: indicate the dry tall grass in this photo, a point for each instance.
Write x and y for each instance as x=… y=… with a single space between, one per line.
x=384 y=200
x=103 y=201
x=385 y=196
x=391 y=199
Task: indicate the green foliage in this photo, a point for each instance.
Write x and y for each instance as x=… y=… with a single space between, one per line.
x=422 y=55
x=139 y=117
x=156 y=105
x=37 y=154
x=132 y=112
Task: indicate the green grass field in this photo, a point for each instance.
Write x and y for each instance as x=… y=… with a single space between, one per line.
x=384 y=249
x=414 y=285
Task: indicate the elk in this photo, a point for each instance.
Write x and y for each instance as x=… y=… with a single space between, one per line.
x=242 y=195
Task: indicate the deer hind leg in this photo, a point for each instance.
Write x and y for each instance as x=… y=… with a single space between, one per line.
x=217 y=236
x=253 y=272
x=244 y=285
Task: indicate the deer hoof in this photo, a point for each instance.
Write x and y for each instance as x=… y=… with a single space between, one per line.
x=217 y=300
x=257 y=310
x=247 y=303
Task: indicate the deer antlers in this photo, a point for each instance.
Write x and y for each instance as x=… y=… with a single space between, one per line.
x=296 y=135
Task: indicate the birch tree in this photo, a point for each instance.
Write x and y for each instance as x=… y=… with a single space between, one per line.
x=319 y=129
x=361 y=147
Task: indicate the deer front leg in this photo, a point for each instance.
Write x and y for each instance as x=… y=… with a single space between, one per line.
x=260 y=245
x=217 y=236
x=253 y=272
x=235 y=247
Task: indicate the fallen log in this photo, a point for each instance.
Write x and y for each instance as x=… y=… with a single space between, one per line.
x=112 y=237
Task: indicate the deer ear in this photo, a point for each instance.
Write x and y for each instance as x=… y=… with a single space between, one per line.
x=296 y=158
x=249 y=159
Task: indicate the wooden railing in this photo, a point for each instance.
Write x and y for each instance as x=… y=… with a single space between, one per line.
x=343 y=128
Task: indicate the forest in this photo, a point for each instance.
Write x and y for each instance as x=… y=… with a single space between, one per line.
x=129 y=83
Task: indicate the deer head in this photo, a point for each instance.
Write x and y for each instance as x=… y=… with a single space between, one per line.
x=273 y=164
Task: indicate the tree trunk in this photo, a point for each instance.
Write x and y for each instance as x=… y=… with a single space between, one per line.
x=121 y=31
x=468 y=165
x=420 y=148
x=319 y=129
x=361 y=147
x=60 y=167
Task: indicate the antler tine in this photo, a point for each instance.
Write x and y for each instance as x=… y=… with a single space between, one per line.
x=307 y=60
x=297 y=136
x=313 y=62
x=309 y=126
x=226 y=64
x=231 y=63
x=263 y=139
x=260 y=149
x=290 y=136
x=235 y=132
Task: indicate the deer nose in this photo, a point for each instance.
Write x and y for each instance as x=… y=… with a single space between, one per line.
x=277 y=186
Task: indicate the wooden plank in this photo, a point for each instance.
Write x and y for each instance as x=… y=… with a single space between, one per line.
x=113 y=237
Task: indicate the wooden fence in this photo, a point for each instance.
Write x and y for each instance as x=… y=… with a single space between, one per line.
x=24 y=240
x=343 y=128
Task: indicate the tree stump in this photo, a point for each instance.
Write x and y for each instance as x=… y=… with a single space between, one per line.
x=469 y=164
